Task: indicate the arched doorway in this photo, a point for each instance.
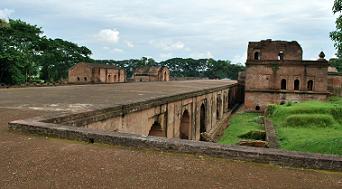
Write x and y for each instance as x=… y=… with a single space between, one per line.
x=185 y=125
x=310 y=85
x=296 y=85
x=165 y=76
x=156 y=130
x=283 y=84
x=218 y=107
x=203 y=118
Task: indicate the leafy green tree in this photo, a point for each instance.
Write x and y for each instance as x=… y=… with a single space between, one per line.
x=58 y=56
x=19 y=43
x=336 y=35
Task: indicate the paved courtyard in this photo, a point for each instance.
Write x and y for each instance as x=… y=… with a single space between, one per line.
x=29 y=161
x=88 y=97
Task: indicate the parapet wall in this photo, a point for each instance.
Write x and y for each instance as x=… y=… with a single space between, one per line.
x=262 y=155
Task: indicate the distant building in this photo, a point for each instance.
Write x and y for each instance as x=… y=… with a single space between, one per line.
x=96 y=73
x=334 y=81
x=276 y=73
x=151 y=73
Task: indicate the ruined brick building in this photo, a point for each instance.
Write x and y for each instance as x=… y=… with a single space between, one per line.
x=276 y=73
x=151 y=73
x=96 y=73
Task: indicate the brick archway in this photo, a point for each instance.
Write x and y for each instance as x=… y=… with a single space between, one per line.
x=185 y=125
x=156 y=130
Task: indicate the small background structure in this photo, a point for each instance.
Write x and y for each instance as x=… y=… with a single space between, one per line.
x=96 y=73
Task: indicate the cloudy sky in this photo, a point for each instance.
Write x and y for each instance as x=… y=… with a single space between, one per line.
x=220 y=29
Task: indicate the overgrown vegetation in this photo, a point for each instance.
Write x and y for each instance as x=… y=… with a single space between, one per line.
x=336 y=36
x=311 y=126
x=240 y=127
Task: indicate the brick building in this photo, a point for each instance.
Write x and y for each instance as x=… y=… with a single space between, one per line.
x=96 y=73
x=151 y=73
x=334 y=81
x=276 y=73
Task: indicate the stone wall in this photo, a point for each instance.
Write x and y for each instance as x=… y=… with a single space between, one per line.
x=335 y=83
x=262 y=99
x=81 y=73
x=269 y=50
x=204 y=108
x=169 y=116
x=261 y=155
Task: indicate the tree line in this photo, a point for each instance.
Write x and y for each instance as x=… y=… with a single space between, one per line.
x=183 y=67
x=27 y=55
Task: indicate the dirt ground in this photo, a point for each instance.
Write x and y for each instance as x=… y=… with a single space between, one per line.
x=28 y=161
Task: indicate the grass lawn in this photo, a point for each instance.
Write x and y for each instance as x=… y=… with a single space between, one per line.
x=240 y=124
x=311 y=126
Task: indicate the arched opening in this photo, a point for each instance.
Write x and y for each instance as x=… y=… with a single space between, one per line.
x=85 y=79
x=296 y=85
x=257 y=108
x=281 y=55
x=165 y=75
x=257 y=56
x=185 y=125
x=283 y=84
x=310 y=85
x=218 y=107
x=203 y=119
x=140 y=79
x=78 y=79
x=156 y=130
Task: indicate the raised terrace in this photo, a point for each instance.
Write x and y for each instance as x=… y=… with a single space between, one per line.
x=133 y=114
x=182 y=109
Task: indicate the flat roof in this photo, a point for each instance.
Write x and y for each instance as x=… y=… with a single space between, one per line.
x=80 y=98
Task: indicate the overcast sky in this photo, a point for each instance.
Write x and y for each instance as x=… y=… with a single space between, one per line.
x=219 y=29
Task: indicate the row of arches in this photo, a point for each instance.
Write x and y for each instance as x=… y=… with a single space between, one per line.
x=296 y=85
x=185 y=122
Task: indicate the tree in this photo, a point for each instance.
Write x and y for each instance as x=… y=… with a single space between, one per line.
x=58 y=56
x=19 y=43
x=336 y=36
x=25 y=53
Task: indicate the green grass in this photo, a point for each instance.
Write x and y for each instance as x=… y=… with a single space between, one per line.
x=240 y=124
x=311 y=126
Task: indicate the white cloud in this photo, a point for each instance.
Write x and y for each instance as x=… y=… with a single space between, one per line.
x=5 y=14
x=129 y=44
x=168 y=45
x=222 y=26
x=108 y=36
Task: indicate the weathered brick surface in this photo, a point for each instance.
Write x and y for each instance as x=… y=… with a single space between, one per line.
x=263 y=155
x=276 y=73
x=335 y=83
x=271 y=136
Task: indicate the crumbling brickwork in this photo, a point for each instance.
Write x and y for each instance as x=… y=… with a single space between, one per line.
x=152 y=73
x=96 y=73
x=276 y=73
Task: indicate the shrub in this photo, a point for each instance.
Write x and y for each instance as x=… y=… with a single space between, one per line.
x=271 y=109
x=310 y=120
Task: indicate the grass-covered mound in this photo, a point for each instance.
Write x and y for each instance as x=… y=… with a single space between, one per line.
x=309 y=120
x=240 y=127
x=311 y=126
